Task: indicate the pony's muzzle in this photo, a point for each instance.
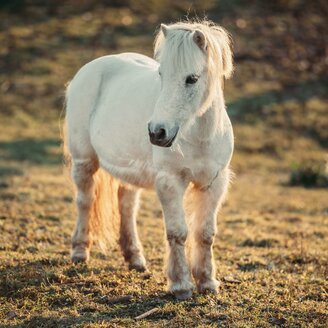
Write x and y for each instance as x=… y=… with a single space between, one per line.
x=160 y=136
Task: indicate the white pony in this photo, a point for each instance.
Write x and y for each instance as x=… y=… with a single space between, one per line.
x=134 y=122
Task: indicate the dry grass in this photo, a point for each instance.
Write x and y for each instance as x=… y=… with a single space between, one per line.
x=271 y=249
x=272 y=240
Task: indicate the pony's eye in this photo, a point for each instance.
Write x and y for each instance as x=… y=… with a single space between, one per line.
x=191 y=79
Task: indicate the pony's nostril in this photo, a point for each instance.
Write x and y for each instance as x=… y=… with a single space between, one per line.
x=157 y=134
x=160 y=134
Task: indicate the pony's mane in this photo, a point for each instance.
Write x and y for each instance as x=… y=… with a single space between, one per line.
x=179 y=47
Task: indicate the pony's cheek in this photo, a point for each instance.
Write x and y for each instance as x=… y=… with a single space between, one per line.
x=193 y=95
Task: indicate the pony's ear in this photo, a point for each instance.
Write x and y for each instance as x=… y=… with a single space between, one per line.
x=199 y=38
x=160 y=37
x=164 y=29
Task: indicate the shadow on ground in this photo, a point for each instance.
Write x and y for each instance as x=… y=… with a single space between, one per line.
x=34 y=151
x=123 y=311
x=301 y=92
x=298 y=108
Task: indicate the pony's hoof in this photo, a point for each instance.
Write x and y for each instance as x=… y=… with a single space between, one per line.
x=183 y=294
x=80 y=255
x=138 y=263
x=210 y=286
x=137 y=267
x=182 y=290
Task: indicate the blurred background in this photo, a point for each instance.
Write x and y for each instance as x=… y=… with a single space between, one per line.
x=271 y=249
x=277 y=97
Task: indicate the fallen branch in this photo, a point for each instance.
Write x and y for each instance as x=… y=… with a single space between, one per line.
x=146 y=314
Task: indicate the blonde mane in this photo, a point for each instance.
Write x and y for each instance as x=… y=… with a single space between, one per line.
x=219 y=54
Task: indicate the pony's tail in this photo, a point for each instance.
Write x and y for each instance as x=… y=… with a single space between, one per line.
x=104 y=216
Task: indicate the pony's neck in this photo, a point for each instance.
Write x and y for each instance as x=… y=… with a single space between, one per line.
x=210 y=123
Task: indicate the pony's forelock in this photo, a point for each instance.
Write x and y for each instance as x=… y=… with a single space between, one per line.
x=181 y=52
x=217 y=38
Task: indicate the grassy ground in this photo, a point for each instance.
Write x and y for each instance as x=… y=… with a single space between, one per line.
x=271 y=249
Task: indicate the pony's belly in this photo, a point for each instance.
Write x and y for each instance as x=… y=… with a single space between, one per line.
x=124 y=159
x=137 y=173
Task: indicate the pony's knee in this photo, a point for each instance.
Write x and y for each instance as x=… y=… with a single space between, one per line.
x=177 y=235
x=206 y=238
x=206 y=235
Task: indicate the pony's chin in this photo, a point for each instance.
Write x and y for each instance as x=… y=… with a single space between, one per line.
x=164 y=143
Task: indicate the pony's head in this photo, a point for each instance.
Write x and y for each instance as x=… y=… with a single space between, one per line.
x=194 y=58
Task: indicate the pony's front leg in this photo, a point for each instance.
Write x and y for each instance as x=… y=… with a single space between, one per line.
x=205 y=205
x=170 y=190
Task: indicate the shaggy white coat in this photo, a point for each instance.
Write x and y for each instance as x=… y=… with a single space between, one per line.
x=110 y=101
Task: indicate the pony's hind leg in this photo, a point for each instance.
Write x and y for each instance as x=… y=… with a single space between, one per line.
x=82 y=174
x=129 y=241
x=205 y=205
